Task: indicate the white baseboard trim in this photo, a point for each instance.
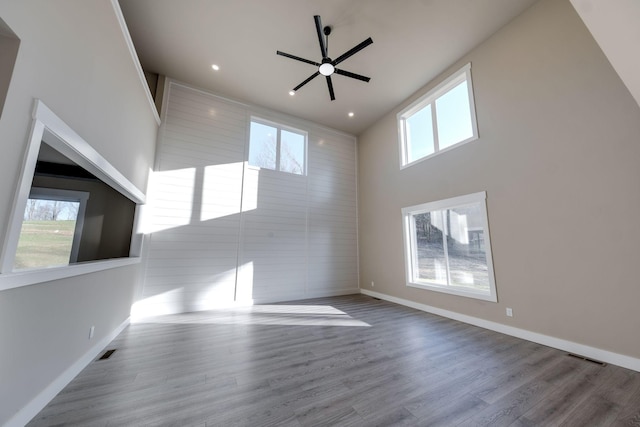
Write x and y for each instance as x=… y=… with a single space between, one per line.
x=332 y=293
x=309 y=295
x=561 y=344
x=23 y=416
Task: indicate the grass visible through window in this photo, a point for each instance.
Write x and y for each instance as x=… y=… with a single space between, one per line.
x=44 y=243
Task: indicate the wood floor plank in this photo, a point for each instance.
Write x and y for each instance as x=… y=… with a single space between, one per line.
x=556 y=406
x=629 y=415
x=340 y=361
x=509 y=408
x=595 y=410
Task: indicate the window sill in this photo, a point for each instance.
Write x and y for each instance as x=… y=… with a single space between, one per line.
x=33 y=277
x=454 y=291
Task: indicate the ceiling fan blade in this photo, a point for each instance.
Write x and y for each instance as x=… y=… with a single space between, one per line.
x=352 y=75
x=311 y=77
x=330 y=85
x=323 y=47
x=352 y=51
x=297 y=58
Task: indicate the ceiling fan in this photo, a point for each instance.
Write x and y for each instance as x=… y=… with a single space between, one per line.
x=328 y=66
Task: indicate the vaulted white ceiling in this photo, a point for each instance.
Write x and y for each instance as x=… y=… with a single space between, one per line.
x=413 y=41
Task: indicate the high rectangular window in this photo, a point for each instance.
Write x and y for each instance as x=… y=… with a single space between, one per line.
x=275 y=147
x=447 y=247
x=441 y=119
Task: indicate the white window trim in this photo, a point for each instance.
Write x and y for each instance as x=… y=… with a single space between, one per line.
x=410 y=249
x=464 y=73
x=48 y=127
x=279 y=127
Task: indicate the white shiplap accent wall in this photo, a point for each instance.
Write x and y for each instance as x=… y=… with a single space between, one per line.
x=273 y=238
x=332 y=212
x=221 y=232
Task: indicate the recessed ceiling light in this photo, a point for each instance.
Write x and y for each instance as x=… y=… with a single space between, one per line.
x=215 y=67
x=351 y=114
x=292 y=92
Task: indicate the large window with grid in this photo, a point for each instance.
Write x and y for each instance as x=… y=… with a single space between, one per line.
x=447 y=247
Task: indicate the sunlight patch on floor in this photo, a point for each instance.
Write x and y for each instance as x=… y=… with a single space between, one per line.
x=277 y=315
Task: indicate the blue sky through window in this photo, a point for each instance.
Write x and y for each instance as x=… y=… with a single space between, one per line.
x=420 y=134
x=442 y=118
x=292 y=152
x=262 y=145
x=452 y=115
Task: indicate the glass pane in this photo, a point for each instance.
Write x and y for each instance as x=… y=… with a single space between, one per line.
x=432 y=266
x=262 y=146
x=46 y=237
x=419 y=128
x=453 y=116
x=465 y=246
x=292 y=152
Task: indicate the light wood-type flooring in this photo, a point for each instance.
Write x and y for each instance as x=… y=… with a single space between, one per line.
x=342 y=361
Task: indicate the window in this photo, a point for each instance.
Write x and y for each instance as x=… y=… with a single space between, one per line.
x=443 y=118
x=61 y=169
x=274 y=147
x=447 y=247
x=51 y=228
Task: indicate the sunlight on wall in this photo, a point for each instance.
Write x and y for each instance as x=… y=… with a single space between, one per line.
x=164 y=303
x=273 y=315
x=250 y=190
x=217 y=294
x=222 y=190
x=169 y=205
x=244 y=286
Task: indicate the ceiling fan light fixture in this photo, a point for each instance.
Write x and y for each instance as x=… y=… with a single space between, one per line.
x=326 y=69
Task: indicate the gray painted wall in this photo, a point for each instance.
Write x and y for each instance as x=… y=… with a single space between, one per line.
x=72 y=56
x=558 y=157
x=8 y=51
x=614 y=25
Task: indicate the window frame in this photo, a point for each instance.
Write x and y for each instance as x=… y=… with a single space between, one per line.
x=430 y=98
x=410 y=246
x=47 y=127
x=279 y=128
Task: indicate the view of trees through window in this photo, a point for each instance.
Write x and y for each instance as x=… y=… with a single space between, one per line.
x=448 y=248
x=47 y=234
x=277 y=149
